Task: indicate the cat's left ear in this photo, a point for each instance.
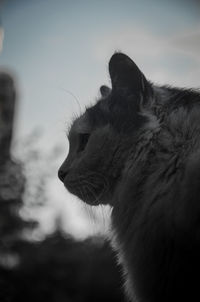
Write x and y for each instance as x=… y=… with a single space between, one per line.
x=124 y=73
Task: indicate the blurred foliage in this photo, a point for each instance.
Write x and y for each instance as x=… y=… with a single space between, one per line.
x=38 y=165
x=60 y=269
x=57 y=268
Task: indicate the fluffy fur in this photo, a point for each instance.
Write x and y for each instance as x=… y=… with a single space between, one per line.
x=138 y=149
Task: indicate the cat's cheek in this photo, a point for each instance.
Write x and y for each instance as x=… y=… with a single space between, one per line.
x=81 y=193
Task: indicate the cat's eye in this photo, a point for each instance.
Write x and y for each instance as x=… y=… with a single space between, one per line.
x=83 y=139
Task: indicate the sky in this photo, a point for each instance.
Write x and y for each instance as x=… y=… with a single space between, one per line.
x=59 y=50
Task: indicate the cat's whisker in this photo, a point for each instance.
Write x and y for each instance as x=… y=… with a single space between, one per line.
x=74 y=97
x=79 y=187
x=92 y=193
x=102 y=179
x=92 y=185
x=92 y=213
x=103 y=217
x=88 y=209
x=83 y=192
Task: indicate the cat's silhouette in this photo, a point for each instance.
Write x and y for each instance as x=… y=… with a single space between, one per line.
x=138 y=149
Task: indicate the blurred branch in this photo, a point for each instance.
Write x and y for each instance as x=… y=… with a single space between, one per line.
x=12 y=179
x=7 y=108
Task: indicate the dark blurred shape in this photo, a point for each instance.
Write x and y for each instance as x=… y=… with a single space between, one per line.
x=12 y=180
x=7 y=107
x=58 y=268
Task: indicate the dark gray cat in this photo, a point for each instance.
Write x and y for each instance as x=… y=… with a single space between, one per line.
x=138 y=149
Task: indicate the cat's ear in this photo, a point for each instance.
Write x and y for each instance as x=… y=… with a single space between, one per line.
x=105 y=91
x=124 y=73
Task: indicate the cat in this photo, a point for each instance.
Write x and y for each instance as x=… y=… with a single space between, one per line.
x=138 y=150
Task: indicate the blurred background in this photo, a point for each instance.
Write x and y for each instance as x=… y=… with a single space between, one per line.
x=53 y=59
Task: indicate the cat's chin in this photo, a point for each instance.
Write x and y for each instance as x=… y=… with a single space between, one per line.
x=94 y=202
x=91 y=201
x=85 y=197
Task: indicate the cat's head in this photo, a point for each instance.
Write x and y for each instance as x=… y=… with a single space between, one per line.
x=101 y=139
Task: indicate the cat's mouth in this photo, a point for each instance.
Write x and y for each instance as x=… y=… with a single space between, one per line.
x=89 y=192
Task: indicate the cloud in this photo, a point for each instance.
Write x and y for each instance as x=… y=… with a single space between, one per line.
x=166 y=59
x=188 y=43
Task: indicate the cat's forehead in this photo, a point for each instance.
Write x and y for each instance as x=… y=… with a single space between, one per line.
x=94 y=116
x=81 y=124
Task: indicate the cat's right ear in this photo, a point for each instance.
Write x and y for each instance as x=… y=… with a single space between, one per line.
x=124 y=73
x=105 y=91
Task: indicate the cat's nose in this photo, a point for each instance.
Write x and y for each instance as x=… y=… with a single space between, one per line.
x=62 y=173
